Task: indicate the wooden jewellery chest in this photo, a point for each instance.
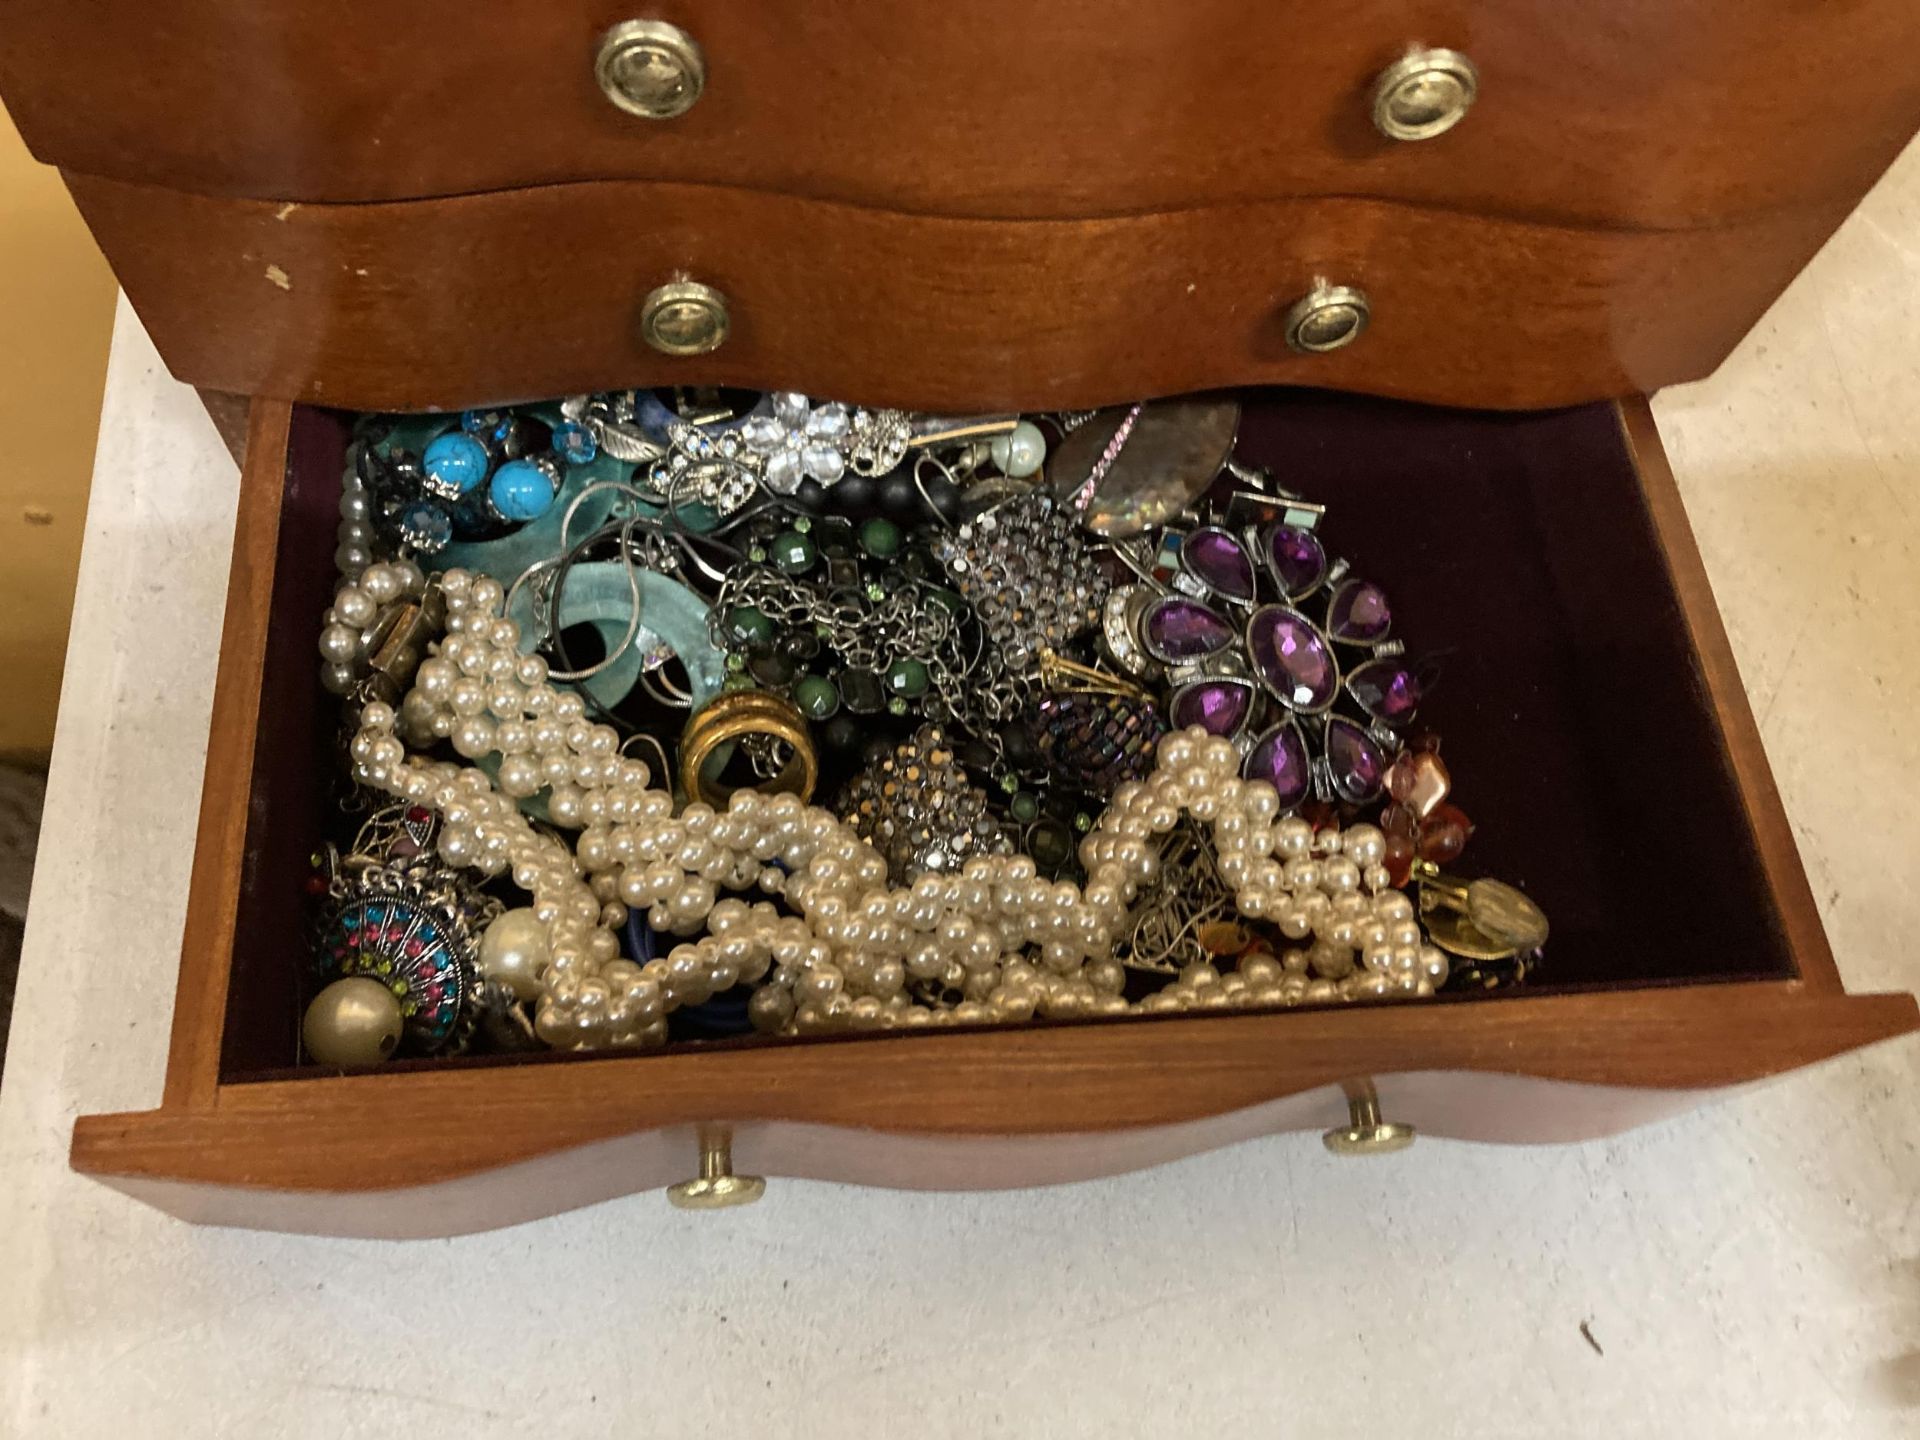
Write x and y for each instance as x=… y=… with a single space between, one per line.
x=1447 y=246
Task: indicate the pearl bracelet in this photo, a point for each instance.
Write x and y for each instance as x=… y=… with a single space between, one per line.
x=1024 y=945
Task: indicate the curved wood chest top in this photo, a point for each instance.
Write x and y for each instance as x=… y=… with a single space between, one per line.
x=530 y=293
x=1630 y=113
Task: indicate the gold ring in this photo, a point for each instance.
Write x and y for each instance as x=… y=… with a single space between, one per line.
x=734 y=716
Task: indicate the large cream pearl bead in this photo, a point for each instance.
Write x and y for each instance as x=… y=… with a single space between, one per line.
x=1292 y=837
x=355 y=1021
x=514 y=952
x=355 y=607
x=770 y=1009
x=1217 y=753
x=381 y=584
x=1365 y=845
x=339 y=643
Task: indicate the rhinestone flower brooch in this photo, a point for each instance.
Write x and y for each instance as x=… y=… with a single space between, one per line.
x=1265 y=641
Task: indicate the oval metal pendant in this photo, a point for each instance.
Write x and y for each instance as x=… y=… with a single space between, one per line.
x=1163 y=462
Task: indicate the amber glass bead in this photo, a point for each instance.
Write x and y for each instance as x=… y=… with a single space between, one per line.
x=1399 y=856
x=1319 y=814
x=1419 y=781
x=1444 y=833
x=1223 y=937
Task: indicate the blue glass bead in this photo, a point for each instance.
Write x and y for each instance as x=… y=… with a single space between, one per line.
x=574 y=443
x=455 y=464
x=478 y=422
x=426 y=527
x=521 y=490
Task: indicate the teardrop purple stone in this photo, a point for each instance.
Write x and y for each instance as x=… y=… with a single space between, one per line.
x=1358 y=768
x=1217 y=706
x=1386 y=690
x=1177 y=629
x=1296 y=558
x=1279 y=757
x=1218 y=561
x=1291 y=659
x=1359 y=614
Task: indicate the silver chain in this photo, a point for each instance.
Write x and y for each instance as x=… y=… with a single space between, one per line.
x=972 y=691
x=868 y=634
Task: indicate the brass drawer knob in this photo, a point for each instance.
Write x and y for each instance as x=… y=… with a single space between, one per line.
x=717 y=1187
x=684 y=317
x=1327 y=318
x=650 y=68
x=1423 y=94
x=1365 y=1133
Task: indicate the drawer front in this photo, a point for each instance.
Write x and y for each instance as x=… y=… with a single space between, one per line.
x=1636 y=113
x=529 y=293
x=422 y=1155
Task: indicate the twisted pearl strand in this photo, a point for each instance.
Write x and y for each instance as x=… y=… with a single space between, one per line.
x=1014 y=944
x=357 y=603
x=366 y=585
x=356 y=532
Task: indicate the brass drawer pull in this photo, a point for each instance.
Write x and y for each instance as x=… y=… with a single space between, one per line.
x=1423 y=94
x=650 y=68
x=1328 y=317
x=685 y=317
x=1365 y=1133
x=717 y=1187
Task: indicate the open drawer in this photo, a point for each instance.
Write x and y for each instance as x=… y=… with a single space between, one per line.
x=1595 y=725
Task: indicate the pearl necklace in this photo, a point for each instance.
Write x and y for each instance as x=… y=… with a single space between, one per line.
x=1022 y=945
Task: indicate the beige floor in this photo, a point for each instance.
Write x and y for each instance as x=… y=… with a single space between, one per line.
x=56 y=318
